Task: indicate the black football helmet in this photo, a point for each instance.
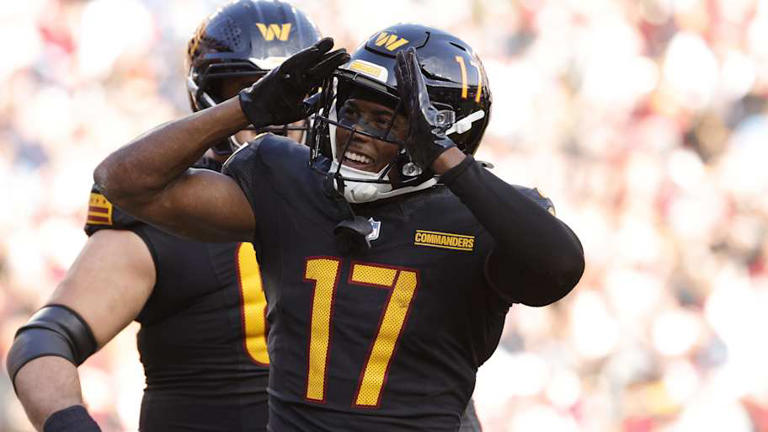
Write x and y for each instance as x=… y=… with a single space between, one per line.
x=456 y=82
x=245 y=38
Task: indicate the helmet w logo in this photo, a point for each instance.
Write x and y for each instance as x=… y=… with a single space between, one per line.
x=272 y=31
x=390 y=41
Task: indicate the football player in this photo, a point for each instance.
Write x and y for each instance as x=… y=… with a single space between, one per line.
x=201 y=307
x=389 y=256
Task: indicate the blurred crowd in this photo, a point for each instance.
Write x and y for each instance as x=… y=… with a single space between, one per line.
x=645 y=121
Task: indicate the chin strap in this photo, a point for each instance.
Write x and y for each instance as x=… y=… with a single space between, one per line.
x=361 y=192
x=352 y=232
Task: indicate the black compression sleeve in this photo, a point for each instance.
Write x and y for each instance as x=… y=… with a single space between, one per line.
x=54 y=330
x=537 y=259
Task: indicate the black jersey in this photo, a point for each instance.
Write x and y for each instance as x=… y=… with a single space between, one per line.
x=202 y=340
x=389 y=339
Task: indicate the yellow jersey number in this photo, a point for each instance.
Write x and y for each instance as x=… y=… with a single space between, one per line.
x=254 y=304
x=323 y=272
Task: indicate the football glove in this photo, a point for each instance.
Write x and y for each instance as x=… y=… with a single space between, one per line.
x=427 y=137
x=278 y=98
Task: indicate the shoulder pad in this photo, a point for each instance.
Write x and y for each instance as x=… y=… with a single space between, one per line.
x=537 y=197
x=243 y=152
x=103 y=215
x=283 y=152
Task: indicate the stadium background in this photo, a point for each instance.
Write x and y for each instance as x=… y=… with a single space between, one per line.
x=645 y=122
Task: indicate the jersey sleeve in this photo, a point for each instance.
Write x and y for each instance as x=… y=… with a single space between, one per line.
x=244 y=167
x=264 y=169
x=102 y=214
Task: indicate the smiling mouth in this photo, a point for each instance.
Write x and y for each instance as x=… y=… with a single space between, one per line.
x=357 y=160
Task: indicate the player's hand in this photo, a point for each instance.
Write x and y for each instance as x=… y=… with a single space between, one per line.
x=277 y=98
x=427 y=125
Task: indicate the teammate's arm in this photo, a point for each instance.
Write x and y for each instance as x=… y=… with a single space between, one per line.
x=106 y=287
x=150 y=177
x=536 y=259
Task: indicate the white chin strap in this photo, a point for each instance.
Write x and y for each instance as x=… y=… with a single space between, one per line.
x=359 y=192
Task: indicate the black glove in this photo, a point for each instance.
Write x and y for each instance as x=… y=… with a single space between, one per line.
x=276 y=99
x=427 y=125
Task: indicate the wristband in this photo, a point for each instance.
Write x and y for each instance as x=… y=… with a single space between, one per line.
x=72 y=419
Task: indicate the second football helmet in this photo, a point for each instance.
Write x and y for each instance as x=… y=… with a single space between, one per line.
x=245 y=38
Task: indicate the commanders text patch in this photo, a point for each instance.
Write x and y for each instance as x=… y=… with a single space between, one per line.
x=99 y=210
x=444 y=240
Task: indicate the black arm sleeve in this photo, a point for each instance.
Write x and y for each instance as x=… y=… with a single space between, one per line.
x=55 y=330
x=536 y=259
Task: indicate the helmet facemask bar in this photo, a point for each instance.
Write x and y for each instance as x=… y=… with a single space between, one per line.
x=382 y=174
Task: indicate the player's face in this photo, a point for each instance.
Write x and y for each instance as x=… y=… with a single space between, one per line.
x=366 y=153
